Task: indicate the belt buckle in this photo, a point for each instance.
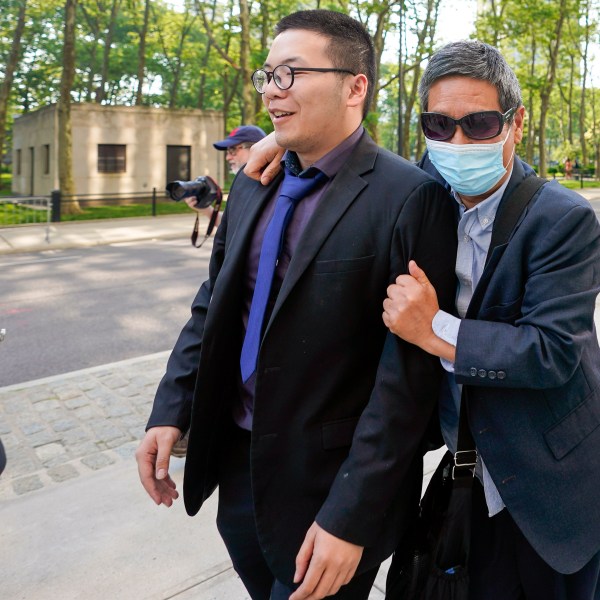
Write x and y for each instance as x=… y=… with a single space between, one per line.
x=464 y=460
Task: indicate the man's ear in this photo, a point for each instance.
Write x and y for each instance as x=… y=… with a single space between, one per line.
x=518 y=121
x=358 y=90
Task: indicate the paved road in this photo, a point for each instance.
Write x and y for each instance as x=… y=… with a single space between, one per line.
x=65 y=310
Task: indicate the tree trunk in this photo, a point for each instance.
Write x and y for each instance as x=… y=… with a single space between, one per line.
x=585 y=57
x=427 y=32
x=265 y=31
x=531 y=127
x=9 y=71
x=65 y=138
x=595 y=135
x=549 y=84
x=378 y=43
x=101 y=95
x=185 y=29
x=570 y=100
x=142 y=55
x=248 y=92
x=399 y=130
x=200 y=103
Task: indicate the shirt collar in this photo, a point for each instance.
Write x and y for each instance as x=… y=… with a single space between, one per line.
x=485 y=211
x=329 y=164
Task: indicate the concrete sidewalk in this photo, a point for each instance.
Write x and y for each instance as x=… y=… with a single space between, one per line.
x=79 y=234
x=74 y=519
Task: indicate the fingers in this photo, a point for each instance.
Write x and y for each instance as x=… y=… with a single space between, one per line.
x=331 y=563
x=304 y=555
x=263 y=160
x=272 y=169
x=152 y=458
x=321 y=581
x=417 y=272
x=191 y=202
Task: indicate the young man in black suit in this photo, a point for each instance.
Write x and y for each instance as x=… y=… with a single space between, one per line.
x=304 y=410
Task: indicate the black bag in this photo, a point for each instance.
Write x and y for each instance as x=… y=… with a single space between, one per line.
x=435 y=565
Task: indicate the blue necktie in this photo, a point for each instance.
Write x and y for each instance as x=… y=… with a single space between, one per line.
x=293 y=189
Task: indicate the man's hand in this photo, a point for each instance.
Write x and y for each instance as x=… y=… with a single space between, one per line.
x=152 y=458
x=409 y=309
x=263 y=161
x=191 y=202
x=324 y=564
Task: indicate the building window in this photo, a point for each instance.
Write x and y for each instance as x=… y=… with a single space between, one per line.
x=18 y=162
x=111 y=158
x=46 y=159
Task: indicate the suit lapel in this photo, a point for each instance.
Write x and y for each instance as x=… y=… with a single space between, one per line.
x=516 y=177
x=238 y=243
x=344 y=189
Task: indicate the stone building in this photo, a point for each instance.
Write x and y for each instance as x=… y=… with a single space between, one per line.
x=117 y=149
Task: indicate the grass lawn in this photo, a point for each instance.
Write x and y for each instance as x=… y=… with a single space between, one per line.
x=128 y=210
x=573 y=184
x=5 y=181
x=18 y=214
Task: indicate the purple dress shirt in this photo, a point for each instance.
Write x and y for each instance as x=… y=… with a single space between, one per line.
x=330 y=164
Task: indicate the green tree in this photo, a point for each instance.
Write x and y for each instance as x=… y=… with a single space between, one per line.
x=9 y=70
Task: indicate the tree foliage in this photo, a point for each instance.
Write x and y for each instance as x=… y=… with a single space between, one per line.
x=201 y=53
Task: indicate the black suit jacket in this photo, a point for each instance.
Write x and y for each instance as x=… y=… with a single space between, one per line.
x=341 y=405
x=530 y=354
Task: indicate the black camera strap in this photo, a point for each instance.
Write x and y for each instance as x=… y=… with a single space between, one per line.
x=212 y=221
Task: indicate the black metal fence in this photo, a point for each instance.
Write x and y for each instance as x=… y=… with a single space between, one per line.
x=63 y=204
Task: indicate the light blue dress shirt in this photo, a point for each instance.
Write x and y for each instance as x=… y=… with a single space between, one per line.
x=474 y=237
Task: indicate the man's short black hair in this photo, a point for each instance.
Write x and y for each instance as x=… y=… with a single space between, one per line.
x=350 y=45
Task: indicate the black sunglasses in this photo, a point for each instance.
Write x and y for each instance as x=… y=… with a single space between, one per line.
x=478 y=125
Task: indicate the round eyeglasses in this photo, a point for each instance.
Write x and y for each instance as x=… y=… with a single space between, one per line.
x=283 y=76
x=481 y=125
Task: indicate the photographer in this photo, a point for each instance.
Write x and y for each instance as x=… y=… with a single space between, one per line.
x=236 y=147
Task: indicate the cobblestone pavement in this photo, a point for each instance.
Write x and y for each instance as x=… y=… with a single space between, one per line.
x=62 y=427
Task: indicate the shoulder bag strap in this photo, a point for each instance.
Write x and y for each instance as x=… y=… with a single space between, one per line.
x=506 y=219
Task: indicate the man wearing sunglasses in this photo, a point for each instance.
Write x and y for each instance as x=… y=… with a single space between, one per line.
x=529 y=353
x=303 y=408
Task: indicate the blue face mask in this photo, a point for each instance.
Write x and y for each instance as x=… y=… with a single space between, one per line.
x=471 y=169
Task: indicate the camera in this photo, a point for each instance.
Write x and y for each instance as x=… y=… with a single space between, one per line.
x=203 y=188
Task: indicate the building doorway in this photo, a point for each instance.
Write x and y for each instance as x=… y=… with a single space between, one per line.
x=178 y=163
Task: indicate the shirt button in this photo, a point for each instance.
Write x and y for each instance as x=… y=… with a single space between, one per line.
x=466 y=238
x=485 y=220
x=501 y=374
x=482 y=373
x=492 y=374
x=473 y=372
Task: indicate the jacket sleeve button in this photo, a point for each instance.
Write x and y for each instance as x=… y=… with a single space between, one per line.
x=501 y=375
x=482 y=373
x=473 y=372
x=492 y=374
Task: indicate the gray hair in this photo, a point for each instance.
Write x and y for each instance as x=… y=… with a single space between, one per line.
x=477 y=60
